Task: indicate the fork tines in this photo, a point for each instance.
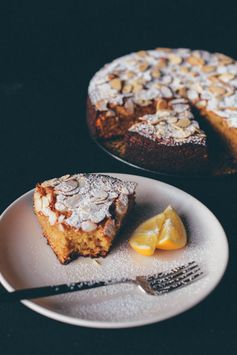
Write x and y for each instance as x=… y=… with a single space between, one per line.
x=167 y=281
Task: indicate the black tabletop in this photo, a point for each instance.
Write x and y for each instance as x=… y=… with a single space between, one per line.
x=48 y=55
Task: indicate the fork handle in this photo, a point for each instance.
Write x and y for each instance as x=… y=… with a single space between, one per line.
x=29 y=293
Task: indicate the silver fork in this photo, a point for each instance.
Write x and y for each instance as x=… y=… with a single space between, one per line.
x=157 y=284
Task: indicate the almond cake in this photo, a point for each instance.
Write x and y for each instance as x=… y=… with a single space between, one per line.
x=125 y=94
x=81 y=214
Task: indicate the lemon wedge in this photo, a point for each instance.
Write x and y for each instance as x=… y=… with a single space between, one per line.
x=144 y=238
x=163 y=231
x=173 y=234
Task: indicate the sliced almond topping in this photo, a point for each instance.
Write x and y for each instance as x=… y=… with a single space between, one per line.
x=38 y=204
x=192 y=94
x=116 y=84
x=143 y=66
x=184 y=70
x=166 y=92
x=175 y=59
x=212 y=78
x=45 y=201
x=161 y=104
x=208 y=68
x=155 y=73
x=193 y=73
x=137 y=87
x=182 y=92
x=52 y=218
x=231 y=108
x=130 y=74
x=193 y=60
x=183 y=122
x=224 y=59
x=172 y=119
x=217 y=90
x=162 y=62
x=226 y=77
x=127 y=88
x=142 y=53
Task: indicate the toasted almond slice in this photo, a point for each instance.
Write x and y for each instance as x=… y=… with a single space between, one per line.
x=172 y=119
x=166 y=92
x=184 y=70
x=217 y=90
x=193 y=60
x=142 y=53
x=224 y=59
x=137 y=87
x=116 y=84
x=213 y=78
x=143 y=66
x=183 y=122
x=161 y=104
x=45 y=202
x=226 y=77
x=182 y=92
x=161 y=63
x=130 y=74
x=208 y=68
x=175 y=59
x=38 y=204
x=127 y=88
x=52 y=218
x=155 y=73
x=192 y=94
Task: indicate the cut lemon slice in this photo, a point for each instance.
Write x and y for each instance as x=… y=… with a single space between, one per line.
x=173 y=234
x=144 y=238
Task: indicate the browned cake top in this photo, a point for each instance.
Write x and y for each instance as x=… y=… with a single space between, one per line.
x=207 y=80
x=171 y=125
x=82 y=200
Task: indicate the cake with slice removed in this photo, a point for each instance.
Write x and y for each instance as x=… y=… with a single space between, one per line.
x=81 y=214
x=133 y=86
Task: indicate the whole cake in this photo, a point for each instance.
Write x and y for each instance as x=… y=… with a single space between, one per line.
x=125 y=94
x=81 y=214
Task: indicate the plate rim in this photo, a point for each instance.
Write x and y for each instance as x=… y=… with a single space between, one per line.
x=125 y=324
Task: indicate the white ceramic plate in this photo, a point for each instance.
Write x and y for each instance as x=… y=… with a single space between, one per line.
x=27 y=261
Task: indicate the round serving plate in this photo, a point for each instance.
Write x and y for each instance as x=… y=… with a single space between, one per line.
x=27 y=261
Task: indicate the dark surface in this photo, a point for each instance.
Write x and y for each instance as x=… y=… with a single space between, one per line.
x=48 y=54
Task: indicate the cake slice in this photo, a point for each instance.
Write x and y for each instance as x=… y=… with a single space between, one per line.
x=81 y=214
x=169 y=140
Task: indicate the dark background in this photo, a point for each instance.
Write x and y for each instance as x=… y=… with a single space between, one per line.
x=48 y=53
